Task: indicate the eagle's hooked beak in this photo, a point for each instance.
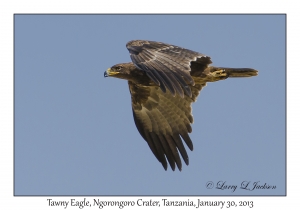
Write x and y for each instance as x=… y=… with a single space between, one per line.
x=105 y=74
x=108 y=73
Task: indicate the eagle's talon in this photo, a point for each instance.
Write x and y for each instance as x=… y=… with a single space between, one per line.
x=219 y=73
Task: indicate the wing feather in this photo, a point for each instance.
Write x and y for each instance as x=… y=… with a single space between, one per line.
x=164 y=121
x=159 y=149
x=160 y=60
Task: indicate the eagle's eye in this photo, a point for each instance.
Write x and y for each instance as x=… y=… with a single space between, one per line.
x=118 y=68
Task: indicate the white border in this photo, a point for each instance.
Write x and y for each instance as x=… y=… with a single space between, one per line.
x=8 y=8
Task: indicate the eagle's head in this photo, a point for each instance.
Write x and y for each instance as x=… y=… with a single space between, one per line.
x=120 y=71
x=127 y=71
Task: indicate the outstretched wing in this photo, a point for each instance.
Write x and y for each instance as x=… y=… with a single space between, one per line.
x=163 y=121
x=167 y=65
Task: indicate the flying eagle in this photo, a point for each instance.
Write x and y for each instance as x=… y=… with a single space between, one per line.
x=164 y=80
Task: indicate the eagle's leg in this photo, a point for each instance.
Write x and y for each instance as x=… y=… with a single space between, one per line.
x=216 y=74
x=219 y=73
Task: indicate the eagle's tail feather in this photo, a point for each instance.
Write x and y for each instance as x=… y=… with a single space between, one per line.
x=239 y=72
x=220 y=73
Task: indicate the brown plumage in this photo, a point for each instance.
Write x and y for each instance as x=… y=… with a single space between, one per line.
x=164 y=80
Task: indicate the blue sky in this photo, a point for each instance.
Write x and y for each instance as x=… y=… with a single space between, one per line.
x=74 y=130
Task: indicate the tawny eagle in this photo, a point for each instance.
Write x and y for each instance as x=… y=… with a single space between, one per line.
x=164 y=80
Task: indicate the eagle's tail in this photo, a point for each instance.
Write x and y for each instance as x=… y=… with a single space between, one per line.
x=239 y=72
x=220 y=73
